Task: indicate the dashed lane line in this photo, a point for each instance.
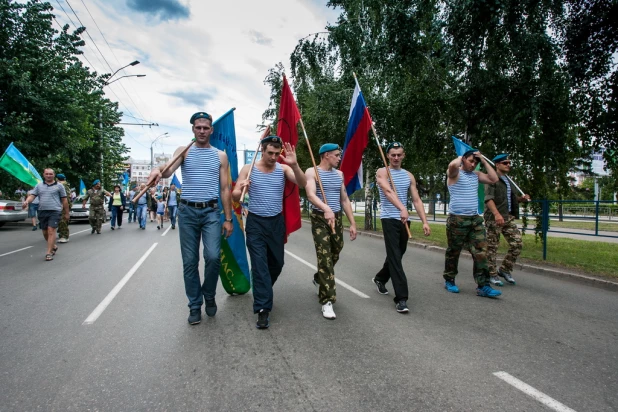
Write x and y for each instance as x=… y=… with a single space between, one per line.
x=535 y=394
x=15 y=251
x=339 y=282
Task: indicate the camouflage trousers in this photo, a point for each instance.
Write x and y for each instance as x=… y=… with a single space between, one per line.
x=96 y=218
x=328 y=245
x=63 y=228
x=467 y=231
x=513 y=238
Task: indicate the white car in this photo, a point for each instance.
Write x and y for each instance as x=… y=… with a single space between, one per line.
x=78 y=212
x=11 y=211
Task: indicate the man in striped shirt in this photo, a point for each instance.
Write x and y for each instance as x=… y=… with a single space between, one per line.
x=464 y=225
x=394 y=217
x=326 y=222
x=205 y=172
x=265 y=228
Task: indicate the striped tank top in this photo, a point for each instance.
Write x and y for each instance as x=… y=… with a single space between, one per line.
x=200 y=174
x=464 y=195
x=401 y=178
x=266 y=192
x=331 y=182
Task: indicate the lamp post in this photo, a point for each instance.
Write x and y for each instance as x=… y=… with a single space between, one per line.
x=122 y=77
x=151 y=152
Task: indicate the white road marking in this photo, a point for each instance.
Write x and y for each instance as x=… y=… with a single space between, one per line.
x=15 y=251
x=530 y=391
x=86 y=230
x=339 y=282
x=165 y=233
x=108 y=299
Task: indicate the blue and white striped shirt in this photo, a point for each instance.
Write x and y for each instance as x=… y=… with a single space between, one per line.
x=401 y=178
x=464 y=195
x=331 y=182
x=266 y=192
x=200 y=174
x=508 y=190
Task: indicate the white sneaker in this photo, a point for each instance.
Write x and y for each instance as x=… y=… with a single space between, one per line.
x=63 y=240
x=317 y=287
x=327 y=311
x=495 y=280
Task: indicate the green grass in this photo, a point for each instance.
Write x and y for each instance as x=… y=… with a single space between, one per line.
x=597 y=258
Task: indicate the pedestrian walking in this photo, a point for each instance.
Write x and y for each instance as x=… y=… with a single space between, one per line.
x=265 y=228
x=142 y=208
x=117 y=205
x=132 y=207
x=96 y=195
x=160 y=211
x=152 y=204
x=205 y=178
x=33 y=207
x=63 y=226
x=326 y=215
x=172 y=204
x=395 y=223
x=502 y=209
x=164 y=196
x=464 y=226
x=52 y=204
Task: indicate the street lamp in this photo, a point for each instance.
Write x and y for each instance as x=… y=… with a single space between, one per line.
x=151 y=152
x=122 y=77
x=133 y=63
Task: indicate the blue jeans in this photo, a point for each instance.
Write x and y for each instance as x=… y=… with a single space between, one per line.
x=132 y=212
x=194 y=224
x=172 y=211
x=142 y=214
x=116 y=216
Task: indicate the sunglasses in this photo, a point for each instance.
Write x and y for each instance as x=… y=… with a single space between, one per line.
x=506 y=163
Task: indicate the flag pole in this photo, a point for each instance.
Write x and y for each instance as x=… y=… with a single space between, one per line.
x=244 y=189
x=390 y=178
x=315 y=169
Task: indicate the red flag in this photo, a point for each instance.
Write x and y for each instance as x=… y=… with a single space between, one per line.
x=287 y=130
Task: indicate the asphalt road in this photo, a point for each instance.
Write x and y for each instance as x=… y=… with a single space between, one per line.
x=556 y=336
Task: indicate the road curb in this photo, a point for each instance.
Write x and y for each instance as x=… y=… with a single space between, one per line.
x=539 y=270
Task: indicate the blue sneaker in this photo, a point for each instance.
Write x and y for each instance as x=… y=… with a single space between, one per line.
x=451 y=286
x=487 y=292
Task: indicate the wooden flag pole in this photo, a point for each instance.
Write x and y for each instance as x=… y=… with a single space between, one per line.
x=315 y=169
x=244 y=189
x=390 y=177
x=163 y=171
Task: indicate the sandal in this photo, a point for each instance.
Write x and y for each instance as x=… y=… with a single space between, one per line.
x=54 y=250
x=49 y=257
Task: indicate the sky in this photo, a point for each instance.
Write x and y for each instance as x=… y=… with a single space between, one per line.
x=197 y=55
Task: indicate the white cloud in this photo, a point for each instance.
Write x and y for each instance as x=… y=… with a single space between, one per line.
x=218 y=53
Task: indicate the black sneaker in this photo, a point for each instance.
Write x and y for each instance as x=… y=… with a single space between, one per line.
x=92 y=231
x=263 y=320
x=195 y=316
x=211 y=308
x=402 y=307
x=381 y=288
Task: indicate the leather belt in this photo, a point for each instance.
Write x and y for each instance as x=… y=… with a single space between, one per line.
x=200 y=205
x=320 y=213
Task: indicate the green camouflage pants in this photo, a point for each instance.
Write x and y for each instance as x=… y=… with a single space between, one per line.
x=466 y=231
x=97 y=217
x=328 y=245
x=513 y=238
x=63 y=228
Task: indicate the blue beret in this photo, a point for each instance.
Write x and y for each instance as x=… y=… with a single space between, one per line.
x=95 y=182
x=271 y=139
x=329 y=147
x=61 y=176
x=394 y=145
x=469 y=152
x=500 y=157
x=200 y=115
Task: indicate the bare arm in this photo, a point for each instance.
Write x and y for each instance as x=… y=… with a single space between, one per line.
x=241 y=182
x=311 y=190
x=347 y=208
x=453 y=170
x=418 y=205
x=389 y=193
x=491 y=205
x=491 y=176
x=226 y=195
x=291 y=169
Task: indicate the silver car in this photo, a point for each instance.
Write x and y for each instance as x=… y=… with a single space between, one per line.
x=11 y=211
x=78 y=212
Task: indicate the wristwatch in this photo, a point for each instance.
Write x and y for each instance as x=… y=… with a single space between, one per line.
x=230 y=220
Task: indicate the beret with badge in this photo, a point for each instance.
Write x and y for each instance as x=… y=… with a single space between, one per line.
x=200 y=115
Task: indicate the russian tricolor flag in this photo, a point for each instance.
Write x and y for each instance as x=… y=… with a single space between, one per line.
x=356 y=139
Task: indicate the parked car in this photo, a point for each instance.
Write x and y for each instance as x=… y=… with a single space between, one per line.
x=78 y=212
x=11 y=211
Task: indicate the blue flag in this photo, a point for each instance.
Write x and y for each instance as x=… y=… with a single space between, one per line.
x=82 y=188
x=17 y=165
x=234 y=272
x=176 y=182
x=460 y=147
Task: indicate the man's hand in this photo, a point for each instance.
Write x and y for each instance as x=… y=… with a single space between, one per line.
x=330 y=217
x=499 y=219
x=67 y=216
x=352 y=232
x=525 y=198
x=83 y=205
x=289 y=156
x=24 y=204
x=227 y=229
x=426 y=229
x=404 y=215
x=153 y=179
x=244 y=184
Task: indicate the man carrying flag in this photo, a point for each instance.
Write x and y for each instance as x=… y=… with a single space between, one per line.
x=265 y=228
x=464 y=225
x=325 y=215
